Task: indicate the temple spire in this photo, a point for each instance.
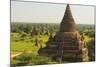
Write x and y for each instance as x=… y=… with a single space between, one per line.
x=68 y=14
x=68 y=23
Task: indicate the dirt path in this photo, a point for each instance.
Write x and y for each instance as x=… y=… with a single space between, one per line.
x=14 y=55
x=19 y=53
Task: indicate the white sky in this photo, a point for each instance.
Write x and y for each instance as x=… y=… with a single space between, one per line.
x=49 y=13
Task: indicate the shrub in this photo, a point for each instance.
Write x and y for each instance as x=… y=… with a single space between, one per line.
x=24 y=57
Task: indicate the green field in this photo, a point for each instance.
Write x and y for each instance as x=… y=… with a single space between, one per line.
x=27 y=44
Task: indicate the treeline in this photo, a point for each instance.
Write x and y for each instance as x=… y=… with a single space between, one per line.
x=88 y=30
x=34 y=28
x=48 y=28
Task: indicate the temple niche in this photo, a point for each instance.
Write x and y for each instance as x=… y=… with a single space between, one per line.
x=67 y=44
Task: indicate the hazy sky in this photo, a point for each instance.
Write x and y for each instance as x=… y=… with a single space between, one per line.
x=49 y=13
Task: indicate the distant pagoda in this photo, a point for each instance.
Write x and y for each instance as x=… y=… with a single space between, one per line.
x=67 y=43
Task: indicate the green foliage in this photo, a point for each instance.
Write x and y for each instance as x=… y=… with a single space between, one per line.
x=30 y=59
x=40 y=60
x=24 y=57
x=23 y=35
x=91 y=49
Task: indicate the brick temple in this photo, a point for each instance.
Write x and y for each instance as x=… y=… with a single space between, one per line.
x=67 y=43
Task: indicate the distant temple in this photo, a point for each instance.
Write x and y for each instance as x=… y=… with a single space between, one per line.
x=67 y=43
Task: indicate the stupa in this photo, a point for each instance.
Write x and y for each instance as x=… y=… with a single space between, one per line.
x=67 y=43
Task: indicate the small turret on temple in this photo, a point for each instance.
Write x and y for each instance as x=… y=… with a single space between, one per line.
x=67 y=43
